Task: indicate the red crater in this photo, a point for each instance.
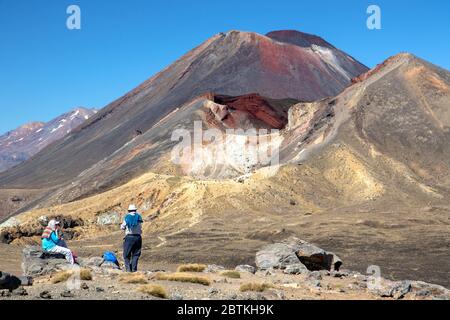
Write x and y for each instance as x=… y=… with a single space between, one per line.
x=254 y=109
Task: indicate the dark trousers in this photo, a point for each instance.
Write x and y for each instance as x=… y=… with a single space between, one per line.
x=132 y=246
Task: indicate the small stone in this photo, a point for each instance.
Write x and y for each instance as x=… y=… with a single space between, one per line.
x=297 y=268
x=213 y=268
x=339 y=274
x=400 y=290
x=67 y=294
x=246 y=268
x=176 y=296
x=213 y=291
x=260 y=296
x=84 y=286
x=99 y=289
x=423 y=293
x=45 y=295
x=315 y=275
x=5 y=293
x=269 y=272
x=20 y=292
x=315 y=283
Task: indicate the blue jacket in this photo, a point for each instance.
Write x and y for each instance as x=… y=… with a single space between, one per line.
x=51 y=242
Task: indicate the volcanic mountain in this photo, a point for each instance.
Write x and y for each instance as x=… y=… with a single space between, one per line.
x=276 y=66
x=18 y=145
x=364 y=172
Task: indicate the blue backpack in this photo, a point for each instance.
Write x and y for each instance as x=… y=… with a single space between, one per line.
x=110 y=257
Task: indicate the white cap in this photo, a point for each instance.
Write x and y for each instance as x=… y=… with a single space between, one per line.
x=132 y=207
x=53 y=223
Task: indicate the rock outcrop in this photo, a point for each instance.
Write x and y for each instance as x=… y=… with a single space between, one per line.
x=292 y=253
x=38 y=263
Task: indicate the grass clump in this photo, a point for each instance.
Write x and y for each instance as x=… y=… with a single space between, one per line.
x=85 y=274
x=193 y=267
x=154 y=290
x=231 y=274
x=257 y=287
x=133 y=278
x=63 y=276
x=183 y=277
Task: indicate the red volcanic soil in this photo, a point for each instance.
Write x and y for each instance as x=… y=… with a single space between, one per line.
x=252 y=106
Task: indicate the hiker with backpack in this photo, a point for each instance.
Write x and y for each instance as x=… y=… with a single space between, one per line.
x=132 y=243
x=53 y=242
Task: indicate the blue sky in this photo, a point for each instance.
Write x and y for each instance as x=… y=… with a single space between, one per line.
x=46 y=69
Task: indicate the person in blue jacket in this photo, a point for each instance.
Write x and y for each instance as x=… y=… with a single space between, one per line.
x=52 y=241
x=132 y=243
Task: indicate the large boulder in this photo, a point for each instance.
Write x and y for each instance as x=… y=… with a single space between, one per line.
x=38 y=263
x=313 y=257
x=296 y=252
x=275 y=256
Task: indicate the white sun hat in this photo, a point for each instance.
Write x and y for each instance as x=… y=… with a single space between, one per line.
x=132 y=208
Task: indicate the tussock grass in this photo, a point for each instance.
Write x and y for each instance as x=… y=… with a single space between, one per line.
x=257 y=287
x=133 y=278
x=193 y=267
x=231 y=274
x=63 y=276
x=154 y=290
x=85 y=274
x=183 y=277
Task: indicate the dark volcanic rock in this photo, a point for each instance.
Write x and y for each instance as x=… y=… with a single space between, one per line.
x=315 y=258
x=9 y=282
x=45 y=295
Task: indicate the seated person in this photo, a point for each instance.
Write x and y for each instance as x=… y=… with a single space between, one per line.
x=52 y=241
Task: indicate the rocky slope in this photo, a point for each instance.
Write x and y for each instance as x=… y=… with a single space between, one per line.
x=278 y=275
x=19 y=145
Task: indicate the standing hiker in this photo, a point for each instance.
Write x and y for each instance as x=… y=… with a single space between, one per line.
x=132 y=243
x=52 y=241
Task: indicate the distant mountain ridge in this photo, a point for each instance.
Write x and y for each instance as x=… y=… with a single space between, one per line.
x=20 y=144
